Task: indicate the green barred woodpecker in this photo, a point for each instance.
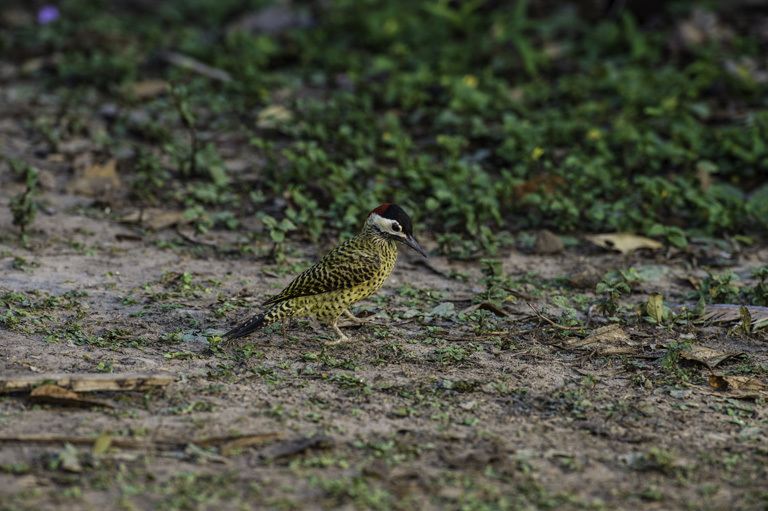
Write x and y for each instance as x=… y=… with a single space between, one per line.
x=347 y=274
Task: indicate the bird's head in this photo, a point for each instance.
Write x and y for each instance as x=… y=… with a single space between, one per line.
x=391 y=222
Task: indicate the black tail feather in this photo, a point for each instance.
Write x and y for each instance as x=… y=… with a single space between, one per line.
x=246 y=328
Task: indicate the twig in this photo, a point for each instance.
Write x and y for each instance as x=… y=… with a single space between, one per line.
x=86 y=382
x=561 y=327
x=177 y=59
x=227 y=443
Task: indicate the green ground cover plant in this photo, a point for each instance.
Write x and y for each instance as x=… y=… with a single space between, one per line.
x=478 y=118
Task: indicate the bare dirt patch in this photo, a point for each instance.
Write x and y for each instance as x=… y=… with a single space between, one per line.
x=429 y=409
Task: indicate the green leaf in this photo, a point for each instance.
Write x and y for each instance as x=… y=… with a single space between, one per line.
x=287 y=225
x=444 y=310
x=701 y=308
x=678 y=240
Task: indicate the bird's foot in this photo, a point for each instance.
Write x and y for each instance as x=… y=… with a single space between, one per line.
x=336 y=342
x=341 y=339
x=352 y=317
x=284 y=326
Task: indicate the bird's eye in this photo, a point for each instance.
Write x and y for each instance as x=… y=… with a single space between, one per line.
x=395 y=227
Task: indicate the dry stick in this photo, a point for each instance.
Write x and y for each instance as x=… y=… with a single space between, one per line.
x=87 y=382
x=561 y=327
x=146 y=443
x=529 y=330
x=177 y=59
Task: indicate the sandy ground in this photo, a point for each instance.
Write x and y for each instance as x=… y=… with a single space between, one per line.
x=426 y=410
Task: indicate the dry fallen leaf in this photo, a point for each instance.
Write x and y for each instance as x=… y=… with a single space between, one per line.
x=273 y=116
x=707 y=356
x=96 y=180
x=166 y=219
x=745 y=387
x=624 y=242
x=547 y=242
x=548 y=181
x=155 y=219
x=145 y=89
x=726 y=313
x=606 y=339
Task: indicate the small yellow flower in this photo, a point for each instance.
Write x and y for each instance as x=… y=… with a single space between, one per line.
x=470 y=81
x=537 y=153
x=386 y=136
x=593 y=134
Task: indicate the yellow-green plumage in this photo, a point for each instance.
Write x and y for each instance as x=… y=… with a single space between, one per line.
x=347 y=274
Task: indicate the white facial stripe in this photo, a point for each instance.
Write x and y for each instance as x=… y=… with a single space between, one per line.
x=384 y=224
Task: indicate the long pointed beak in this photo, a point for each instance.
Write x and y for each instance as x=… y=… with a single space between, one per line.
x=411 y=242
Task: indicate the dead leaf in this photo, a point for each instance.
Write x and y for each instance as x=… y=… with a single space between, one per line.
x=624 y=242
x=547 y=182
x=96 y=180
x=694 y=281
x=707 y=356
x=547 y=242
x=273 y=117
x=608 y=334
x=746 y=386
x=726 y=313
x=608 y=337
x=586 y=277
x=133 y=217
x=145 y=89
x=155 y=219
x=166 y=219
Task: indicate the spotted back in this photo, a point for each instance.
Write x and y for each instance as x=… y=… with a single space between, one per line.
x=355 y=262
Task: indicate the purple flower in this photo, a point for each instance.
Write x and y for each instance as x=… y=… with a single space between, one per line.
x=47 y=14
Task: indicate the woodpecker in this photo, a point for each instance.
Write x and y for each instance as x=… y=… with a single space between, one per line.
x=347 y=274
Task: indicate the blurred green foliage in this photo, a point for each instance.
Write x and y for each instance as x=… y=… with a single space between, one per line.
x=479 y=117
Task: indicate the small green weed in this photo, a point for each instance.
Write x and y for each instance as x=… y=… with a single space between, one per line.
x=23 y=207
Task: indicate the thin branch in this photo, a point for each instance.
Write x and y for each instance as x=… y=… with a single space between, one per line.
x=544 y=318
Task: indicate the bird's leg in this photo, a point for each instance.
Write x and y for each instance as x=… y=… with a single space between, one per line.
x=285 y=324
x=342 y=338
x=359 y=321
